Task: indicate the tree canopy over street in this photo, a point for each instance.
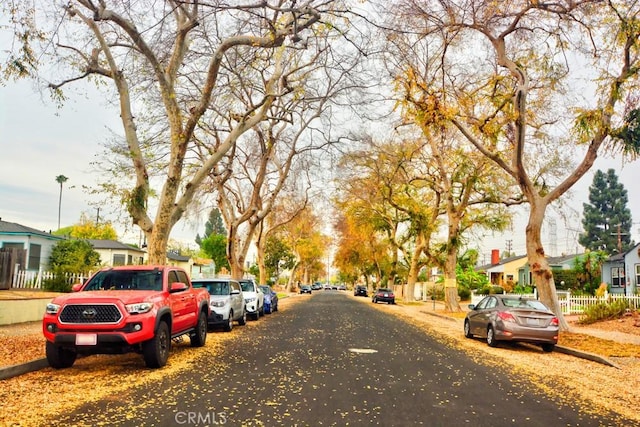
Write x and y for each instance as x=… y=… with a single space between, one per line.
x=404 y=128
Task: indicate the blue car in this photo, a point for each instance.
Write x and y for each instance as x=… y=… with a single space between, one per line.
x=270 y=299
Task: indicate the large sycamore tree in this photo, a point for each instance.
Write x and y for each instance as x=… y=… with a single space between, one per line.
x=172 y=68
x=540 y=88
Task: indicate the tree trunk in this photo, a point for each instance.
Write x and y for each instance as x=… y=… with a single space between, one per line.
x=542 y=273
x=450 y=283
x=414 y=269
x=157 y=245
x=262 y=268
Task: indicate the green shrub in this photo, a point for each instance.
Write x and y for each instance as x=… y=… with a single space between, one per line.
x=485 y=290
x=58 y=283
x=464 y=293
x=519 y=289
x=603 y=311
x=435 y=293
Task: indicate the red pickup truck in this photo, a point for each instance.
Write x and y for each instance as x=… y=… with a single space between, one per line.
x=123 y=309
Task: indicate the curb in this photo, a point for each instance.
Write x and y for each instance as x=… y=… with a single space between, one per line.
x=23 y=368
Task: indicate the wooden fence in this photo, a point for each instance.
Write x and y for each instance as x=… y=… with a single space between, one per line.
x=24 y=279
x=576 y=304
x=10 y=260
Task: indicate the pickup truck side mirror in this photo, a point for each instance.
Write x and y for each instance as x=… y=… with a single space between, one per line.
x=76 y=287
x=178 y=287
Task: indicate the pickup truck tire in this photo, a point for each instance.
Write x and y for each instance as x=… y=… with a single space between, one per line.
x=59 y=357
x=229 y=325
x=156 y=350
x=199 y=337
x=243 y=319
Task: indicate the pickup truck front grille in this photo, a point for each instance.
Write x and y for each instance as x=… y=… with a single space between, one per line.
x=90 y=313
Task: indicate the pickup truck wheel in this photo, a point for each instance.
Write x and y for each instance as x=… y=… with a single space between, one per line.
x=243 y=319
x=156 y=350
x=229 y=325
x=59 y=357
x=199 y=336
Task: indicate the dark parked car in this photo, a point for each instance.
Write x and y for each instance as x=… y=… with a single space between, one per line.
x=270 y=299
x=384 y=295
x=360 y=291
x=305 y=289
x=316 y=287
x=512 y=318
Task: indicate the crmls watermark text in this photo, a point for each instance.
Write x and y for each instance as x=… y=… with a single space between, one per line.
x=200 y=418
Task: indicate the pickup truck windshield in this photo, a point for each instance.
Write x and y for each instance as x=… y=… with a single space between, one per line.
x=125 y=280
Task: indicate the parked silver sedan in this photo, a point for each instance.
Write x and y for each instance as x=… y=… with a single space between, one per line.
x=512 y=318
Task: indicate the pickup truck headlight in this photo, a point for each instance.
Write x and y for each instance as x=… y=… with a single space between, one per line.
x=52 y=308
x=139 y=308
x=250 y=299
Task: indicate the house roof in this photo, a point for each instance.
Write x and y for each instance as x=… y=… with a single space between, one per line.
x=12 y=228
x=112 y=244
x=562 y=259
x=175 y=257
x=501 y=262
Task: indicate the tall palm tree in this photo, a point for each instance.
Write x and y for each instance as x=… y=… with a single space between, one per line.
x=60 y=179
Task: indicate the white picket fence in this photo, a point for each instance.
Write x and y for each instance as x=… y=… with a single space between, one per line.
x=24 y=279
x=575 y=304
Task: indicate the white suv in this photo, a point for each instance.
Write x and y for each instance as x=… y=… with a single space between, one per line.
x=226 y=302
x=253 y=298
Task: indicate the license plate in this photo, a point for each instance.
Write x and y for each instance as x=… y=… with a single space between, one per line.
x=533 y=322
x=86 y=339
x=386 y=295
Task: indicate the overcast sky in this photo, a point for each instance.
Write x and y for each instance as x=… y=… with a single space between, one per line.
x=40 y=142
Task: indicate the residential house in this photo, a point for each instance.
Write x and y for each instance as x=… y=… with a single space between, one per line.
x=622 y=272
x=203 y=268
x=564 y=262
x=113 y=253
x=501 y=271
x=35 y=245
x=177 y=260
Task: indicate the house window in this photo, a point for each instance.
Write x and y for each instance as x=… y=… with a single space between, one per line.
x=129 y=260
x=617 y=277
x=637 y=274
x=118 y=259
x=34 y=256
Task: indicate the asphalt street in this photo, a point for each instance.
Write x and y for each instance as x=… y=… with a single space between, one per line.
x=333 y=361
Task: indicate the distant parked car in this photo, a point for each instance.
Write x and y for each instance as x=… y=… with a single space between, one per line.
x=360 y=291
x=305 y=289
x=384 y=295
x=253 y=298
x=270 y=299
x=342 y=288
x=226 y=301
x=316 y=287
x=512 y=318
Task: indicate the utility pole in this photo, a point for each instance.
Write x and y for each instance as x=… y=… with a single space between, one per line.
x=619 y=234
x=509 y=246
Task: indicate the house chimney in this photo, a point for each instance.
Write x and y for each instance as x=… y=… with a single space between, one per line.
x=495 y=256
